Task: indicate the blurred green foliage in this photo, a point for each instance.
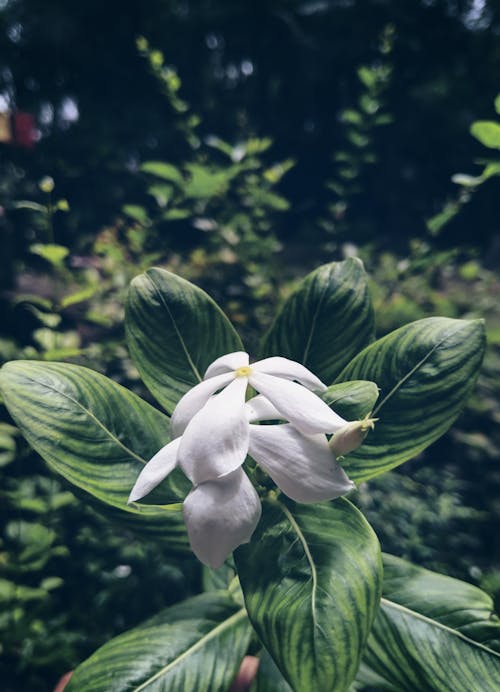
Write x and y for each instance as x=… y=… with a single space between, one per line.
x=282 y=135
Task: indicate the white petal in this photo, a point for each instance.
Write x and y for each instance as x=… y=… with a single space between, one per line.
x=194 y=400
x=289 y=369
x=155 y=470
x=228 y=363
x=305 y=410
x=302 y=466
x=216 y=440
x=221 y=515
x=259 y=408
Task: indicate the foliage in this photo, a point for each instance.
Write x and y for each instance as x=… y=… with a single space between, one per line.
x=310 y=567
x=487 y=132
x=123 y=178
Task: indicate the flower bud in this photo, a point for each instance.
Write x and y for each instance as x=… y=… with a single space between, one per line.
x=351 y=436
x=46 y=184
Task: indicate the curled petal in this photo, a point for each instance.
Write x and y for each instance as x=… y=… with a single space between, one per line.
x=221 y=515
x=216 y=440
x=227 y=363
x=259 y=408
x=194 y=400
x=289 y=369
x=155 y=470
x=302 y=466
x=305 y=410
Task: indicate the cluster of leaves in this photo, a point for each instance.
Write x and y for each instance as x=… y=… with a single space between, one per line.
x=434 y=513
x=345 y=214
x=487 y=132
x=311 y=579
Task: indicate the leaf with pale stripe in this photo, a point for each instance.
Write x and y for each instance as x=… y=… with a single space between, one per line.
x=311 y=578
x=195 y=645
x=326 y=321
x=351 y=400
x=174 y=331
x=425 y=372
x=96 y=434
x=434 y=632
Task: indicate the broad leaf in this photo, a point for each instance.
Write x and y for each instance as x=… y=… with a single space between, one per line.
x=174 y=331
x=352 y=400
x=425 y=371
x=311 y=579
x=269 y=678
x=326 y=321
x=434 y=632
x=195 y=645
x=96 y=434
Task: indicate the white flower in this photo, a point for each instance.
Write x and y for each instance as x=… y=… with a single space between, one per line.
x=214 y=430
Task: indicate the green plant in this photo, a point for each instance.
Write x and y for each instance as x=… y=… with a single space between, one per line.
x=311 y=576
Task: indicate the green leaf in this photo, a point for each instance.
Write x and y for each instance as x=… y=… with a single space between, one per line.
x=137 y=213
x=425 y=371
x=487 y=132
x=176 y=214
x=269 y=678
x=205 y=183
x=351 y=400
x=174 y=331
x=311 y=578
x=163 y=170
x=195 y=645
x=8 y=433
x=96 y=434
x=497 y=104
x=326 y=321
x=79 y=296
x=54 y=254
x=434 y=632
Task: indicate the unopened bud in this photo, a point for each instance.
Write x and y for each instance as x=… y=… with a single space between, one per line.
x=350 y=436
x=46 y=184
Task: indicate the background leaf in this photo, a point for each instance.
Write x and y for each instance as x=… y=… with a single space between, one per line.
x=96 y=434
x=311 y=578
x=174 y=331
x=434 y=632
x=195 y=645
x=425 y=371
x=326 y=321
x=487 y=132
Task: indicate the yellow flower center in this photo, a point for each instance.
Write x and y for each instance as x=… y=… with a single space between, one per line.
x=244 y=371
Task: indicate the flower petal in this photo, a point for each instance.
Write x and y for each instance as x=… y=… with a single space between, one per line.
x=221 y=515
x=194 y=400
x=157 y=468
x=305 y=410
x=302 y=466
x=216 y=440
x=289 y=369
x=227 y=363
x=259 y=408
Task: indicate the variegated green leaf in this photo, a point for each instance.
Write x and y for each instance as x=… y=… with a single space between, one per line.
x=425 y=372
x=311 y=578
x=174 y=331
x=97 y=435
x=434 y=633
x=326 y=321
x=269 y=678
x=352 y=400
x=195 y=645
